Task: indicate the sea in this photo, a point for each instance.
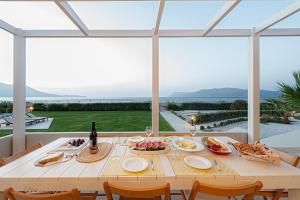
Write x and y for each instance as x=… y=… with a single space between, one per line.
x=58 y=100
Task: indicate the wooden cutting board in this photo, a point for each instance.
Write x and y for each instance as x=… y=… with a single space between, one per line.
x=86 y=157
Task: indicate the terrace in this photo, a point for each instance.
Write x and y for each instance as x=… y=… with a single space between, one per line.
x=163 y=122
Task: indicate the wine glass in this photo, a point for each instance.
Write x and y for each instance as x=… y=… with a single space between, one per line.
x=193 y=126
x=116 y=144
x=193 y=130
x=148 y=131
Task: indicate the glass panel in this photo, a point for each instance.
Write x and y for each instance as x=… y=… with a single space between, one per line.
x=250 y=14
x=203 y=77
x=189 y=14
x=34 y=15
x=114 y=71
x=117 y=15
x=290 y=22
x=280 y=126
x=6 y=80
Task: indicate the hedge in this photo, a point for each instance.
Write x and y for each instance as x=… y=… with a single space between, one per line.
x=219 y=116
x=93 y=107
x=237 y=105
x=198 y=106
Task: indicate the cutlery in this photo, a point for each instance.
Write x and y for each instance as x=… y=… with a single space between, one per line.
x=152 y=165
x=217 y=166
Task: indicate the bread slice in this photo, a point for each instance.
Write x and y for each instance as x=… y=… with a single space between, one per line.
x=51 y=158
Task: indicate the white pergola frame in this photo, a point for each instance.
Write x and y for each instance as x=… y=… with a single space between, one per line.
x=19 y=64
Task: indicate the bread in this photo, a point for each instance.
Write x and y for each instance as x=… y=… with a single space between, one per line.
x=51 y=158
x=257 y=150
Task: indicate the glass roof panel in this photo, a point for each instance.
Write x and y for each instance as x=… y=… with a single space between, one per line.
x=249 y=14
x=189 y=14
x=292 y=21
x=34 y=15
x=117 y=15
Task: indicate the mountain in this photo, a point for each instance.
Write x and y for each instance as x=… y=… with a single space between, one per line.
x=6 y=90
x=226 y=93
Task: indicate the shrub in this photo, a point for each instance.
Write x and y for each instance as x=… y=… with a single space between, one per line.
x=6 y=107
x=239 y=105
x=202 y=128
x=173 y=106
x=39 y=107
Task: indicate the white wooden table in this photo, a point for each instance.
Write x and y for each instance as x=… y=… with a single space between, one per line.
x=22 y=174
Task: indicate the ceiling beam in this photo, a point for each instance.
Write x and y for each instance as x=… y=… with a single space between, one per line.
x=221 y=14
x=68 y=10
x=159 y=16
x=9 y=28
x=162 y=33
x=288 y=11
x=102 y=0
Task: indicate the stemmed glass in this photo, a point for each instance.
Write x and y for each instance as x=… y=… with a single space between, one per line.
x=116 y=144
x=193 y=126
x=193 y=129
x=148 y=131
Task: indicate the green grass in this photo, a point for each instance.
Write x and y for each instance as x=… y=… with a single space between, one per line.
x=106 y=121
x=5 y=132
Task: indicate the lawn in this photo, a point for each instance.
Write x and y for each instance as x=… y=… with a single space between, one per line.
x=105 y=121
x=5 y=132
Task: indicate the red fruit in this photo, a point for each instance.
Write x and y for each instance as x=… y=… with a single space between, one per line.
x=216 y=147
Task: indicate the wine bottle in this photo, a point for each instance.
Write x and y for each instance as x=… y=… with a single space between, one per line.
x=93 y=136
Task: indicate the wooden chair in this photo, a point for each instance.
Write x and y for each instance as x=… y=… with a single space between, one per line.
x=11 y=194
x=248 y=191
x=130 y=193
x=277 y=194
x=5 y=161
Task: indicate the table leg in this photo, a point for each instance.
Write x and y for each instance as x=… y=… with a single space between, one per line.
x=294 y=194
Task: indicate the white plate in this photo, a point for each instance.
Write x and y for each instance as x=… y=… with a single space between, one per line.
x=198 y=162
x=199 y=147
x=135 y=164
x=136 y=139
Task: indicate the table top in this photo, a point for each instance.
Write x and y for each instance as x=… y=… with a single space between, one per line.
x=22 y=174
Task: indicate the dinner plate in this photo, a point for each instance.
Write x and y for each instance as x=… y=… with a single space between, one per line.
x=136 y=139
x=199 y=146
x=135 y=164
x=198 y=162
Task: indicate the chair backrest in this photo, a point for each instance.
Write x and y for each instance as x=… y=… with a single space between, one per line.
x=141 y=193
x=248 y=190
x=290 y=159
x=4 y=161
x=11 y=194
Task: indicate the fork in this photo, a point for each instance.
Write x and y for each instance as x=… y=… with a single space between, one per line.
x=217 y=166
x=152 y=164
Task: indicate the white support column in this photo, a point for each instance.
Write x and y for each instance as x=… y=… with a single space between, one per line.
x=19 y=93
x=254 y=89
x=155 y=83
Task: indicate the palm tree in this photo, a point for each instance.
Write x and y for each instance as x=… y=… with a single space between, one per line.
x=291 y=94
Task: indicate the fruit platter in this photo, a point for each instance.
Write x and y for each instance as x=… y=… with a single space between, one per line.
x=150 y=147
x=216 y=146
x=257 y=152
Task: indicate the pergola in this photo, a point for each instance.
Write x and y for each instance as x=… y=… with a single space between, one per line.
x=254 y=34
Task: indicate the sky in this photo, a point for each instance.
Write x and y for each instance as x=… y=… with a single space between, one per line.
x=119 y=67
